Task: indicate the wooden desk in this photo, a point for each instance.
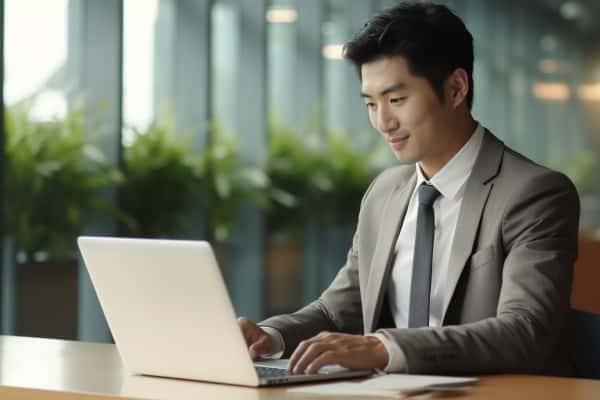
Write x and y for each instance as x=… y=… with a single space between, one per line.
x=55 y=369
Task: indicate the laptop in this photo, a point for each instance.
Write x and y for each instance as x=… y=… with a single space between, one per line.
x=170 y=315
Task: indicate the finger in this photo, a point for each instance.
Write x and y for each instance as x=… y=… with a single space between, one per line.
x=296 y=355
x=303 y=345
x=312 y=352
x=262 y=345
x=327 y=335
x=243 y=324
x=325 y=358
x=253 y=354
x=247 y=328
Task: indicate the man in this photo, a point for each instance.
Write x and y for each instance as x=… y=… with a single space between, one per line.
x=462 y=258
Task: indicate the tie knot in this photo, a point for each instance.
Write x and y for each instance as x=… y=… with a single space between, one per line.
x=427 y=194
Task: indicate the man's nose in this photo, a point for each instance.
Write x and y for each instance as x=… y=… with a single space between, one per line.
x=387 y=120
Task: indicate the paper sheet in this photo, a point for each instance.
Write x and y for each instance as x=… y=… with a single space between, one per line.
x=399 y=382
x=343 y=389
x=390 y=385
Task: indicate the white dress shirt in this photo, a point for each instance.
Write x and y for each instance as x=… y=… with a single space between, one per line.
x=450 y=182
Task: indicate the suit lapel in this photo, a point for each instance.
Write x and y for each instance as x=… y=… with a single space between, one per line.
x=476 y=194
x=393 y=215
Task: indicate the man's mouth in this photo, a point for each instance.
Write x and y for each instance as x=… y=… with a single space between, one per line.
x=397 y=139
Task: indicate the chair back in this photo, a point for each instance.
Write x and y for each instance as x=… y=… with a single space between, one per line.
x=587 y=344
x=585 y=303
x=585 y=295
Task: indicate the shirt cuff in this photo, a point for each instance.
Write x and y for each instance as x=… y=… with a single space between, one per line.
x=396 y=357
x=278 y=343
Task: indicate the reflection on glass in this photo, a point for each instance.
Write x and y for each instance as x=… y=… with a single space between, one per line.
x=140 y=18
x=31 y=69
x=224 y=63
x=281 y=56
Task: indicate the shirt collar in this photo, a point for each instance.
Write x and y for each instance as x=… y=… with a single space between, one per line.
x=454 y=174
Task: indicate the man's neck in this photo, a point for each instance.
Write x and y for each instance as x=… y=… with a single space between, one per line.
x=461 y=133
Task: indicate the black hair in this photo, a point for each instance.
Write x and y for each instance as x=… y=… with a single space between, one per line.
x=432 y=39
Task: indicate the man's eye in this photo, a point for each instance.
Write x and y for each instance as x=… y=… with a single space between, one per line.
x=397 y=100
x=370 y=105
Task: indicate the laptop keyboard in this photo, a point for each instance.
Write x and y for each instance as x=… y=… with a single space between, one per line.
x=267 y=372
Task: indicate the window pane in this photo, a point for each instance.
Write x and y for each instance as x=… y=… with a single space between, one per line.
x=39 y=269
x=31 y=69
x=140 y=21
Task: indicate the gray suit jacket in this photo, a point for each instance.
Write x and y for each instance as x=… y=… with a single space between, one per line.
x=509 y=277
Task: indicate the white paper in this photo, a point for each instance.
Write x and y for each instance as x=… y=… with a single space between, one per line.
x=343 y=389
x=400 y=382
x=390 y=385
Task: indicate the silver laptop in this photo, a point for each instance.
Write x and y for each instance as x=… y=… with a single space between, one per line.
x=168 y=309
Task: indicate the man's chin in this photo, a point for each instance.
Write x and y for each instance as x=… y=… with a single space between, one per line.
x=404 y=158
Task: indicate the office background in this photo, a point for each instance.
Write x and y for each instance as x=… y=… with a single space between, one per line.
x=237 y=121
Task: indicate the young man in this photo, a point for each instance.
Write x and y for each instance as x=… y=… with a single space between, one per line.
x=462 y=258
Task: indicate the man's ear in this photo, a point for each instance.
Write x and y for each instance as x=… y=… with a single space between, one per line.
x=457 y=87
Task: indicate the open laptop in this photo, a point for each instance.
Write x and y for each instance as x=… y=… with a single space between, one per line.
x=167 y=307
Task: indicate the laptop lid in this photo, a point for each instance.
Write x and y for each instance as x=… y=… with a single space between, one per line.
x=167 y=307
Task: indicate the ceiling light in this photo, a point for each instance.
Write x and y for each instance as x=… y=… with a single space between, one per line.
x=282 y=16
x=551 y=91
x=589 y=92
x=333 y=51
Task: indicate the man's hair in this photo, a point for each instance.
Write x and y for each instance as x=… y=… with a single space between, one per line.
x=432 y=39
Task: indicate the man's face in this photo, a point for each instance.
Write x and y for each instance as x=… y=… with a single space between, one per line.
x=405 y=110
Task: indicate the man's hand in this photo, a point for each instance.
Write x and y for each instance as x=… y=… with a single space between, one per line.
x=257 y=340
x=350 y=351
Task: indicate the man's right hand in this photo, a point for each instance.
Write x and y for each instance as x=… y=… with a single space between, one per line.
x=258 y=341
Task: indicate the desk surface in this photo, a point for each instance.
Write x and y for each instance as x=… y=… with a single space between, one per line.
x=32 y=368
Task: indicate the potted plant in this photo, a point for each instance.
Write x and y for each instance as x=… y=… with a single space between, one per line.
x=296 y=170
x=53 y=175
x=349 y=171
x=226 y=182
x=162 y=182
x=298 y=178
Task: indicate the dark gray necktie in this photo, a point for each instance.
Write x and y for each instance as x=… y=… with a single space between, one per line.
x=420 y=288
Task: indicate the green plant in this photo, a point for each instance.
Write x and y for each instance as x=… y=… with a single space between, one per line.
x=350 y=172
x=53 y=176
x=310 y=179
x=298 y=178
x=582 y=171
x=162 y=174
x=227 y=183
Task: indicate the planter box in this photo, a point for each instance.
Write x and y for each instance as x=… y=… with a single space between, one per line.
x=46 y=299
x=284 y=276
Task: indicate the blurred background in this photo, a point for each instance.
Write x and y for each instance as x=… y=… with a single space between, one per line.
x=238 y=122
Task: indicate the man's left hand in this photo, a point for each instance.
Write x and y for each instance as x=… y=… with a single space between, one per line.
x=350 y=351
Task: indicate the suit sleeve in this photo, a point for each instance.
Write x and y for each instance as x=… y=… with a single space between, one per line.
x=539 y=233
x=338 y=309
